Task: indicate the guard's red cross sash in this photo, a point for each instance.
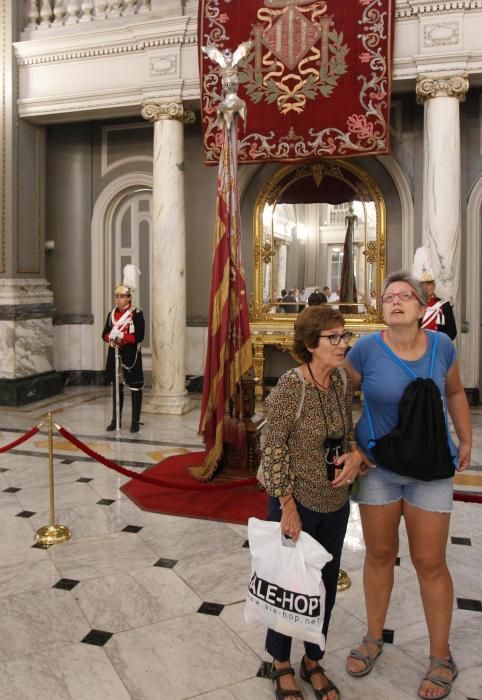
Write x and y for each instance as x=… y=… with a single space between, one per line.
x=434 y=313
x=123 y=321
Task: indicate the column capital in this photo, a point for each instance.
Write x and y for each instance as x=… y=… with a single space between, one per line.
x=156 y=110
x=429 y=86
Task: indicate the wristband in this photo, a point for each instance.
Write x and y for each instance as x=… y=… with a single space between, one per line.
x=282 y=505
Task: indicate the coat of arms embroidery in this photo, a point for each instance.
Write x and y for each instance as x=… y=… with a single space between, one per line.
x=297 y=55
x=316 y=79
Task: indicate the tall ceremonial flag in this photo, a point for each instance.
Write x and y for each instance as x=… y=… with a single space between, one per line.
x=229 y=352
x=316 y=80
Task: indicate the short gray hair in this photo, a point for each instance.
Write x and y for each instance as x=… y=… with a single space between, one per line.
x=409 y=279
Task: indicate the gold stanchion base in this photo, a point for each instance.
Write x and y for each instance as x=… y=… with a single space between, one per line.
x=344 y=581
x=52 y=534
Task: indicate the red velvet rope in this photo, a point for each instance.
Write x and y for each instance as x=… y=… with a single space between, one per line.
x=23 y=438
x=196 y=486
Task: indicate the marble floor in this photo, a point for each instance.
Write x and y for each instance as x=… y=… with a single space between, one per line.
x=150 y=607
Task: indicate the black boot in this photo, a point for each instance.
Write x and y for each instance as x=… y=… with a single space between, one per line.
x=136 y=410
x=112 y=425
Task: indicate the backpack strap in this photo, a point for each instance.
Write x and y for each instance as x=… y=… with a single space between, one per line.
x=371 y=441
x=394 y=357
x=434 y=352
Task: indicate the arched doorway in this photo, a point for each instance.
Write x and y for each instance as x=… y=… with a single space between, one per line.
x=121 y=235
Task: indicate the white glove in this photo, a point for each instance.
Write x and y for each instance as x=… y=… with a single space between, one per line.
x=116 y=334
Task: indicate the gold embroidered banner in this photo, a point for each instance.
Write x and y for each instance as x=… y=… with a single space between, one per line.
x=317 y=79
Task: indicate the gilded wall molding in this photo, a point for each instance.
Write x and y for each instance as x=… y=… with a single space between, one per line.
x=428 y=87
x=154 y=111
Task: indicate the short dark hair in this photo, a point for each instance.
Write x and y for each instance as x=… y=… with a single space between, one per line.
x=317 y=298
x=308 y=326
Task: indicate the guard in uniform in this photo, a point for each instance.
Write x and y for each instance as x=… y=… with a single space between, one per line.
x=439 y=315
x=125 y=328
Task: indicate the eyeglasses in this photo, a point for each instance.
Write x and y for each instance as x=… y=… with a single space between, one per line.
x=336 y=338
x=403 y=296
x=122 y=295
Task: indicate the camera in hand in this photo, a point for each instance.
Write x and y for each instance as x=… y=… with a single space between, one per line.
x=333 y=451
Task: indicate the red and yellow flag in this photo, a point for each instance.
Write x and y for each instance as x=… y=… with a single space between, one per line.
x=229 y=353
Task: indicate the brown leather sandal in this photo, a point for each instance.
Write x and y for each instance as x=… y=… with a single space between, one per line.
x=307 y=673
x=280 y=693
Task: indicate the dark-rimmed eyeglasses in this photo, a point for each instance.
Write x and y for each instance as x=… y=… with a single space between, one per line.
x=336 y=338
x=403 y=296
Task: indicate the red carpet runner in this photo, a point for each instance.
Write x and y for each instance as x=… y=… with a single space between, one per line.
x=230 y=505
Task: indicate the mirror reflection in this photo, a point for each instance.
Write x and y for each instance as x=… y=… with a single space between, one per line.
x=319 y=242
x=319 y=256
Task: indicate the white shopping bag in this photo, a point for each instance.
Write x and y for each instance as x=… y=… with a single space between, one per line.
x=285 y=590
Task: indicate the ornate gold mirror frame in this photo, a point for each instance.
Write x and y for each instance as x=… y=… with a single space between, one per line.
x=362 y=190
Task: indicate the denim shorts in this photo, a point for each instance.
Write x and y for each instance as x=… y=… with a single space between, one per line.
x=381 y=486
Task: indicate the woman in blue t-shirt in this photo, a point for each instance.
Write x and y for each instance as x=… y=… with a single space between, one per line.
x=384 y=496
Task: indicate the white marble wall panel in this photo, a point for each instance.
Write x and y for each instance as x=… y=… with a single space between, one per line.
x=196 y=344
x=7 y=349
x=73 y=347
x=33 y=347
x=25 y=347
x=24 y=291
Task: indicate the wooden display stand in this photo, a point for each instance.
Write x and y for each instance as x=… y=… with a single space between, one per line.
x=243 y=461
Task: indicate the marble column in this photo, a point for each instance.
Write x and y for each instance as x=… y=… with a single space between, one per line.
x=26 y=303
x=441 y=233
x=168 y=304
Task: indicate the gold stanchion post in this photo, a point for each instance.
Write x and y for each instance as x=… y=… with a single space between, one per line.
x=344 y=581
x=53 y=533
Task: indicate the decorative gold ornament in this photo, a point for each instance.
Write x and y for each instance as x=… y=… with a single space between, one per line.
x=344 y=581
x=267 y=253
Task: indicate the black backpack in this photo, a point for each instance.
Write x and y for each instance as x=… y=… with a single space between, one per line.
x=418 y=446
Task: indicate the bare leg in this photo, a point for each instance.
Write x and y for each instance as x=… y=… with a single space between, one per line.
x=380 y=531
x=427 y=535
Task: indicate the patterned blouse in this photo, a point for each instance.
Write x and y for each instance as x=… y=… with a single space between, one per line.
x=293 y=455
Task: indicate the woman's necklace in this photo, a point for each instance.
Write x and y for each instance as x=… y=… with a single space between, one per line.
x=320 y=399
x=325 y=388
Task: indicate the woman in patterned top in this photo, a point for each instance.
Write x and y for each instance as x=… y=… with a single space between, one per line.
x=303 y=494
